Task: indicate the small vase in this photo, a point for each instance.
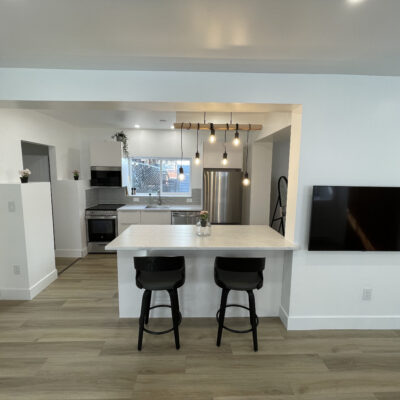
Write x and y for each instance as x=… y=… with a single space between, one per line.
x=24 y=179
x=203 y=228
x=76 y=177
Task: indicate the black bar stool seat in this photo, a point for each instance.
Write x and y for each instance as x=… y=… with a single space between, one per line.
x=162 y=280
x=233 y=280
x=159 y=273
x=242 y=274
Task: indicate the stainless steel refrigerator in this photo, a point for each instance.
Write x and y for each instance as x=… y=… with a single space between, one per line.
x=222 y=195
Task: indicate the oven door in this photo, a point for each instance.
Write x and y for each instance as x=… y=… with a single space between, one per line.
x=101 y=229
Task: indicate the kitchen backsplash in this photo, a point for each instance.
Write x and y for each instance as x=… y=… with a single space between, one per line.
x=118 y=196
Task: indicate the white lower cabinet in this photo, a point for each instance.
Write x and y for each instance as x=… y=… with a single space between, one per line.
x=155 y=217
x=128 y=218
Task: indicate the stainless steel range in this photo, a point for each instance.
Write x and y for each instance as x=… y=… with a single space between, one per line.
x=101 y=226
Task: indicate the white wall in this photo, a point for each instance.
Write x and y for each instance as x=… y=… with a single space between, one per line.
x=39 y=237
x=280 y=167
x=349 y=136
x=27 y=263
x=12 y=243
x=69 y=204
x=33 y=126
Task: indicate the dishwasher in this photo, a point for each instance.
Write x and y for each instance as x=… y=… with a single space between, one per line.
x=185 y=217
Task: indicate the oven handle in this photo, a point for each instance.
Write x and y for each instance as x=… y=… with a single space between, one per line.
x=101 y=217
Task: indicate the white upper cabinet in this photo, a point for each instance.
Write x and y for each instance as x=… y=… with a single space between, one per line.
x=105 y=154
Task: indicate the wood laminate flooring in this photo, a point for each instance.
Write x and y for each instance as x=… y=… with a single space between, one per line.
x=62 y=263
x=68 y=343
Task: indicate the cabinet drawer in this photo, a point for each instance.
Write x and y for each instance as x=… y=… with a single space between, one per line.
x=155 y=218
x=129 y=217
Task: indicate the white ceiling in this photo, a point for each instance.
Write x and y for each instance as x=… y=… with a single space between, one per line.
x=304 y=36
x=148 y=115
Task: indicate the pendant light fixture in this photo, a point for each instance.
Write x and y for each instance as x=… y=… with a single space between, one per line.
x=212 y=138
x=246 y=179
x=197 y=155
x=181 y=175
x=225 y=155
x=236 y=140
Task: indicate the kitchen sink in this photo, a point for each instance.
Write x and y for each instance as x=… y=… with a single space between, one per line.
x=157 y=206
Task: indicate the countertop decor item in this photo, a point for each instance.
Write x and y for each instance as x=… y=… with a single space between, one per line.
x=76 y=174
x=24 y=175
x=121 y=137
x=203 y=227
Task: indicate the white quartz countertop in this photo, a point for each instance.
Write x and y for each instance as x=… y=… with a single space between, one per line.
x=183 y=237
x=142 y=207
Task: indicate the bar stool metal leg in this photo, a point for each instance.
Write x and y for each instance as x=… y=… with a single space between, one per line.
x=143 y=313
x=253 y=320
x=173 y=294
x=224 y=298
x=146 y=320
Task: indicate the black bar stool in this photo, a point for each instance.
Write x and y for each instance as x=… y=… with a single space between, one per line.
x=159 y=273
x=244 y=274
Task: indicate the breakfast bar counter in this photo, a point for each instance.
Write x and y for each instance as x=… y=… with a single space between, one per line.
x=199 y=297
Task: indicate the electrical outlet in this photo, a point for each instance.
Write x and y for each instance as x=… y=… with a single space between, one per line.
x=189 y=200
x=136 y=199
x=11 y=206
x=367 y=294
x=17 y=269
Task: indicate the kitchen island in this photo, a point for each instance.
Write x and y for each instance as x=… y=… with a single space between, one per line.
x=200 y=297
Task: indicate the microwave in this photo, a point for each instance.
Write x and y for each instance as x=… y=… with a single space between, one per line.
x=105 y=176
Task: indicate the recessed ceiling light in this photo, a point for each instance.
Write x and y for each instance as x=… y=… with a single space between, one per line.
x=136 y=126
x=355 y=1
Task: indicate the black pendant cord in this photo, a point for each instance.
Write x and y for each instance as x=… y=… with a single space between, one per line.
x=247 y=147
x=227 y=127
x=197 y=148
x=181 y=145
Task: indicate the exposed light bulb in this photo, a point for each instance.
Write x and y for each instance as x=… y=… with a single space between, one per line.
x=181 y=175
x=212 y=138
x=236 y=140
x=225 y=159
x=246 y=180
x=136 y=126
x=197 y=158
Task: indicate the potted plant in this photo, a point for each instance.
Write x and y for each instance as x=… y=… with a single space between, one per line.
x=121 y=137
x=24 y=175
x=76 y=174
x=203 y=227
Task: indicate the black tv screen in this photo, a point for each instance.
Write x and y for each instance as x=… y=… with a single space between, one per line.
x=355 y=218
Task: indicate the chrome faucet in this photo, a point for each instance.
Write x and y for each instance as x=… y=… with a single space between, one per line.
x=149 y=202
x=159 y=198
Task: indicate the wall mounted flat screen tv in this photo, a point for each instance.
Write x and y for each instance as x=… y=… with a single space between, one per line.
x=355 y=218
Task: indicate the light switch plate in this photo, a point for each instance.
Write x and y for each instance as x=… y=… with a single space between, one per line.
x=11 y=206
x=136 y=199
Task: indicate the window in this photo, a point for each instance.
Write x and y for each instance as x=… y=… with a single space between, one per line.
x=150 y=175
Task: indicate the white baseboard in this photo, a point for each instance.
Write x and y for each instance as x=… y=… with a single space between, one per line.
x=71 y=252
x=14 y=294
x=341 y=322
x=42 y=284
x=32 y=292
x=283 y=315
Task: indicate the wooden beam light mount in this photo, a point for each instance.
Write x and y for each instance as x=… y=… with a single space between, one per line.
x=217 y=127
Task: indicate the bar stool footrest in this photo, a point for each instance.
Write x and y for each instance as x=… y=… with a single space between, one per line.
x=167 y=330
x=235 y=330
